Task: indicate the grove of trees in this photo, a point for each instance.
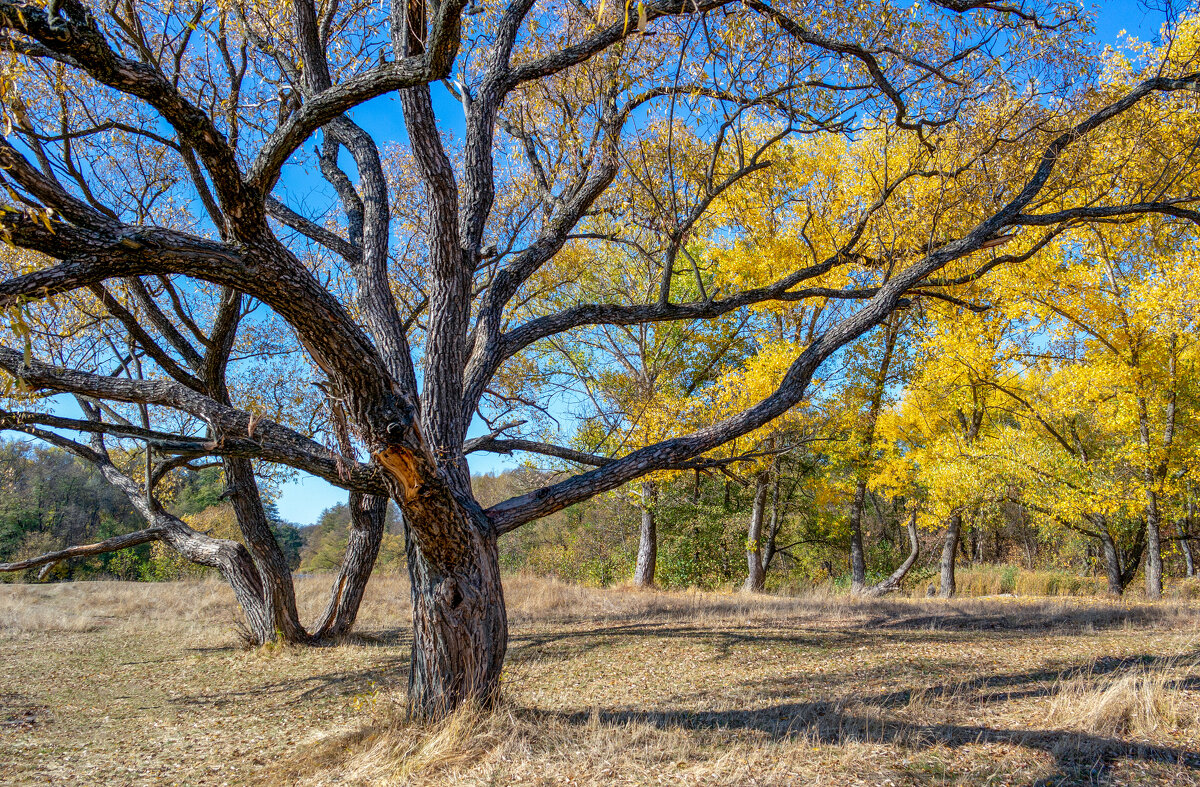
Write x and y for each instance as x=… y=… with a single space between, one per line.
x=925 y=261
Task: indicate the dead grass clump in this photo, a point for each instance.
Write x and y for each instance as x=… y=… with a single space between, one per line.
x=391 y=749
x=1143 y=702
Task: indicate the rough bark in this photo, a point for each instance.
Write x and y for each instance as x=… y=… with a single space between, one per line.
x=368 y=514
x=275 y=577
x=1185 y=545
x=460 y=629
x=949 y=550
x=647 y=554
x=757 y=575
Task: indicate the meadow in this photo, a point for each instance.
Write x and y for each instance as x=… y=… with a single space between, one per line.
x=150 y=683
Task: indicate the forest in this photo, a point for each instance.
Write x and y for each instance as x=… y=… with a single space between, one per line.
x=621 y=329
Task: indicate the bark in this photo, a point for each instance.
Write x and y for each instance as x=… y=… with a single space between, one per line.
x=1112 y=563
x=1185 y=545
x=275 y=577
x=776 y=521
x=460 y=629
x=368 y=514
x=1154 y=567
x=858 y=564
x=1132 y=557
x=756 y=579
x=949 y=550
x=893 y=582
x=647 y=555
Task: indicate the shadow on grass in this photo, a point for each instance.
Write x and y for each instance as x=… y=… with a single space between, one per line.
x=1079 y=758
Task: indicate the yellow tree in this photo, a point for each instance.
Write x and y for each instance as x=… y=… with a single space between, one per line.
x=1120 y=318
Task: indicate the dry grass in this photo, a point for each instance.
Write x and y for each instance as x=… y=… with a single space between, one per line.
x=997 y=580
x=1145 y=702
x=121 y=683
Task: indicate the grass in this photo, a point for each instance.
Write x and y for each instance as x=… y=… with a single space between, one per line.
x=124 y=684
x=996 y=580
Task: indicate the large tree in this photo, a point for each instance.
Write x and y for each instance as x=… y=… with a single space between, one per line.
x=450 y=262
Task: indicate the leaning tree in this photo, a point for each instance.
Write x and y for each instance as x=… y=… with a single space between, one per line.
x=420 y=288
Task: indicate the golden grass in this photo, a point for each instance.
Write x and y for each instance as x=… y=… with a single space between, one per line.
x=145 y=684
x=1144 y=702
x=997 y=580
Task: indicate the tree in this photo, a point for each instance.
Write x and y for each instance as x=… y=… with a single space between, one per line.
x=551 y=97
x=1119 y=397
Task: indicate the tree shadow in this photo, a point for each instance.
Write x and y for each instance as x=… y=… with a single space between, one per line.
x=1079 y=758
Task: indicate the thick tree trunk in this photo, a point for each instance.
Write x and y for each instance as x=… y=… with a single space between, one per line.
x=275 y=576
x=368 y=514
x=756 y=578
x=1154 y=569
x=460 y=629
x=858 y=563
x=647 y=554
x=949 y=550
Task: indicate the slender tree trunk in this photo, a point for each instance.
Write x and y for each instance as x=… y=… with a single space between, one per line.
x=368 y=514
x=893 y=582
x=1185 y=542
x=756 y=578
x=1132 y=557
x=1154 y=568
x=647 y=555
x=279 y=595
x=858 y=564
x=773 y=529
x=949 y=549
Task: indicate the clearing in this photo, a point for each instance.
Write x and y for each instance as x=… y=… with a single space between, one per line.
x=127 y=684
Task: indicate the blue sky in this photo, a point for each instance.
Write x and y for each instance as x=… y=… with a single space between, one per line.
x=302 y=501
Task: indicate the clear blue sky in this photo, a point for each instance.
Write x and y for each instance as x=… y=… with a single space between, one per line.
x=303 y=500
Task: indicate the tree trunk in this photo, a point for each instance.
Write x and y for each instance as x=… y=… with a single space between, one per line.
x=1154 y=567
x=776 y=521
x=460 y=629
x=279 y=595
x=858 y=564
x=647 y=555
x=949 y=548
x=893 y=582
x=756 y=578
x=1112 y=561
x=1185 y=545
x=368 y=514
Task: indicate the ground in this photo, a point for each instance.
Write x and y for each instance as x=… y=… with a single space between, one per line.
x=129 y=684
